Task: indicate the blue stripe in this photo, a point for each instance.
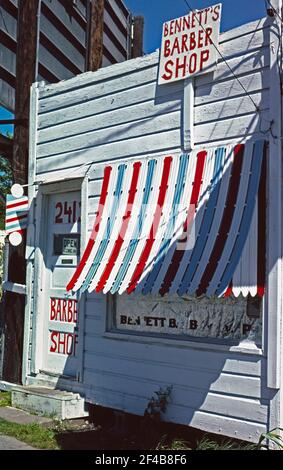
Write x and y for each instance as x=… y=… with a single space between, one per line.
x=13 y=212
x=179 y=189
x=10 y=198
x=107 y=233
x=16 y=225
x=206 y=223
x=18 y=213
x=138 y=229
x=246 y=218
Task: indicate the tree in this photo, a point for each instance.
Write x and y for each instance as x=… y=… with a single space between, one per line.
x=6 y=178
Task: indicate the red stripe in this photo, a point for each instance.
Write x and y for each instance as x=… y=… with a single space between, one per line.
x=226 y=219
x=13 y=219
x=17 y=204
x=261 y=237
x=126 y=218
x=178 y=254
x=156 y=219
x=229 y=290
x=87 y=252
x=23 y=230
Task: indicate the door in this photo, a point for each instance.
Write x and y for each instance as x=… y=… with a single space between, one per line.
x=61 y=308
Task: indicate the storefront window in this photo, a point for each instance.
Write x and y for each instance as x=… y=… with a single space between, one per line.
x=229 y=319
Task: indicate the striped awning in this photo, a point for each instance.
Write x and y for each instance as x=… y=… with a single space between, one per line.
x=187 y=224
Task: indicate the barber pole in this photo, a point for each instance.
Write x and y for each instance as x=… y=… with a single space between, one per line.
x=16 y=217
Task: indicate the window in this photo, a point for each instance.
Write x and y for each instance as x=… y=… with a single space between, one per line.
x=228 y=319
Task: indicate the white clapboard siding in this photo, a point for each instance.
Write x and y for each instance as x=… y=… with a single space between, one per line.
x=116 y=133
x=106 y=110
x=147 y=72
x=210 y=422
x=236 y=34
x=104 y=104
x=54 y=99
x=240 y=106
x=181 y=359
x=119 y=116
x=121 y=113
x=138 y=146
x=141 y=382
x=62 y=40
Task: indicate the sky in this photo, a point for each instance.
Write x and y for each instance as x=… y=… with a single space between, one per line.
x=156 y=12
x=4 y=114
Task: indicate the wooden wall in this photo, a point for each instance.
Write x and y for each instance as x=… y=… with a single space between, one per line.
x=121 y=113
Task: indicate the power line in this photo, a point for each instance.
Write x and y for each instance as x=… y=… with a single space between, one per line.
x=224 y=60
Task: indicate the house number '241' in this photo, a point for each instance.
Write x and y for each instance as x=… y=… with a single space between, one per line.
x=67 y=212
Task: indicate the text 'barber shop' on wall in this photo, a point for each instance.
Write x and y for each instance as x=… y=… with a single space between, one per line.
x=63 y=340
x=189 y=45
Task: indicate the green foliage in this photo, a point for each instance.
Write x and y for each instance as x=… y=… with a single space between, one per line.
x=176 y=444
x=207 y=444
x=6 y=175
x=32 y=434
x=5 y=399
x=274 y=436
x=6 y=178
x=158 y=403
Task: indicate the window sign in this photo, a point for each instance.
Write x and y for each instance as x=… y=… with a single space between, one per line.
x=232 y=319
x=70 y=246
x=66 y=244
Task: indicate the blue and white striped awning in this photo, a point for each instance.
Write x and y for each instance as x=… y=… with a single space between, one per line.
x=187 y=224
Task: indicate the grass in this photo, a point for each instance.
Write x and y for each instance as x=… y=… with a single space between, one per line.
x=61 y=436
x=208 y=444
x=5 y=399
x=176 y=444
x=32 y=434
x=274 y=437
x=204 y=444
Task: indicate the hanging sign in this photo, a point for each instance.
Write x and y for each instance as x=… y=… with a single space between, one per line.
x=16 y=214
x=188 y=45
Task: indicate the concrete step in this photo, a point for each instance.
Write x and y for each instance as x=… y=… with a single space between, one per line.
x=49 y=402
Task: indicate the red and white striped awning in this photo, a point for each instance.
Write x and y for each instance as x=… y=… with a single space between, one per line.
x=187 y=224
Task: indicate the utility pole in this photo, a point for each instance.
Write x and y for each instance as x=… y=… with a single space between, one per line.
x=26 y=72
x=95 y=37
x=137 y=47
